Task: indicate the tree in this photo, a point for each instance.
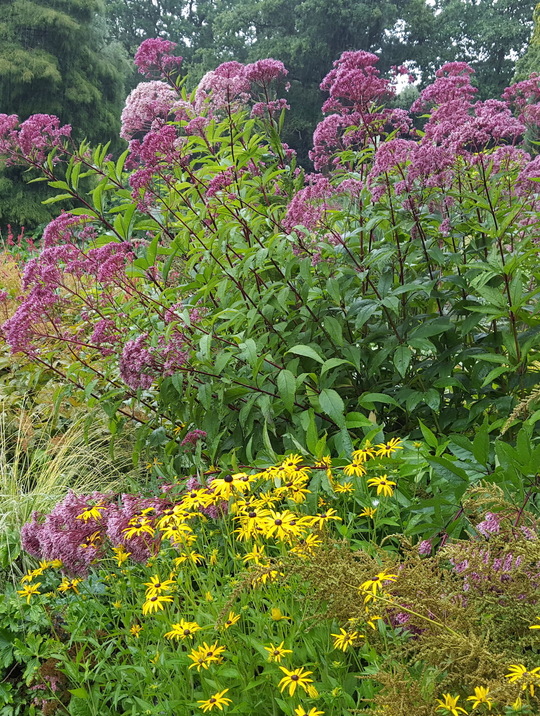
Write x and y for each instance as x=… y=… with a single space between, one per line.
x=488 y=34
x=55 y=59
x=530 y=62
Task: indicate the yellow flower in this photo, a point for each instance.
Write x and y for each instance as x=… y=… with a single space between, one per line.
x=536 y=626
x=480 y=697
x=213 y=558
x=67 y=584
x=343 y=489
x=138 y=527
x=117 y=604
x=368 y=512
x=205 y=655
x=300 y=711
x=208 y=597
x=256 y=555
x=33 y=574
x=91 y=513
x=518 y=704
x=120 y=554
x=365 y=453
x=383 y=484
x=136 y=629
x=389 y=448
x=155 y=603
x=449 y=704
x=232 y=619
x=345 y=639
x=373 y=586
x=276 y=652
x=218 y=700
x=182 y=630
x=156 y=586
x=356 y=468
x=312 y=692
x=277 y=615
x=29 y=591
x=321 y=519
x=294 y=678
x=519 y=672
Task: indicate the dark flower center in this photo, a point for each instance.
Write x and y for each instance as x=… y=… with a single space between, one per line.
x=228 y=478
x=294 y=677
x=278 y=522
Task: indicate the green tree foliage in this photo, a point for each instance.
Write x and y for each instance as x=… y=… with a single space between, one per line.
x=530 y=62
x=488 y=34
x=55 y=59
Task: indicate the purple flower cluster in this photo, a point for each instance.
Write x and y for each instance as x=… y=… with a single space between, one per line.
x=193 y=437
x=137 y=364
x=61 y=535
x=36 y=137
x=154 y=58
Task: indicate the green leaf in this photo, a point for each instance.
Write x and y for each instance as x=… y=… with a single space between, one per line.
x=402 y=359
x=367 y=400
x=333 y=363
x=306 y=351
x=429 y=436
x=286 y=383
x=332 y=404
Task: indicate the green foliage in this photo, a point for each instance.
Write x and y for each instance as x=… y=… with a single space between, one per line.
x=530 y=62
x=56 y=59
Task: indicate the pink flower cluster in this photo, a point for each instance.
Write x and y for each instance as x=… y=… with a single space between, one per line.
x=147 y=108
x=78 y=542
x=35 y=138
x=154 y=57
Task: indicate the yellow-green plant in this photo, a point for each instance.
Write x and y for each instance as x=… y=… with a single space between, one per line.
x=38 y=467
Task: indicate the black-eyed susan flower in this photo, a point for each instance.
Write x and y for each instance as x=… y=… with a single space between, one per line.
x=306 y=546
x=301 y=711
x=67 y=584
x=281 y=525
x=345 y=639
x=157 y=585
x=231 y=619
x=343 y=488
x=389 y=448
x=120 y=554
x=182 y=630
x=276 y=615
x=135 y=630
x=536 y=626
x=276 y=653
x=256 y=555
x=383 y=484
x=448 y=703
x=481 y=697
x=216 y=701
x=355 y=468
x=155 y=603
x=529 y=677
x=137 y=527
x=29 y=591
x=323 y=518
x=205 y=655
x=372 y=586
x=368 y=512
x=294 y=678
x=93 y=512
